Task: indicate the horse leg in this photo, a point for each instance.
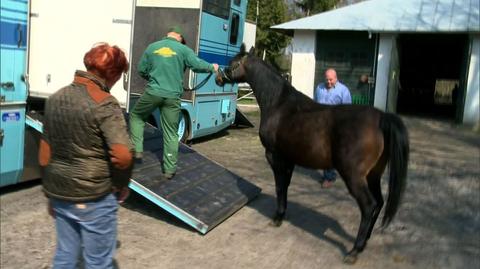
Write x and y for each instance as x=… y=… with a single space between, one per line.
x=359 y=189
x=282 y=171
x=374 y=180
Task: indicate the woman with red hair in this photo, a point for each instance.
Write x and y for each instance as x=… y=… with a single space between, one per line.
x=87 y=157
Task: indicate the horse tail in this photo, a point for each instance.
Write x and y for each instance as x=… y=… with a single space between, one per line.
x=397 y=148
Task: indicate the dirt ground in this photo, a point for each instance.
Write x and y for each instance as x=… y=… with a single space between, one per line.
x=437 y=226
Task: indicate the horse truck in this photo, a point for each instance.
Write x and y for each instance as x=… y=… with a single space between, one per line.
x=43 y=43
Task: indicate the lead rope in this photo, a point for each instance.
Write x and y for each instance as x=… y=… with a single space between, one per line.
x=199 y=85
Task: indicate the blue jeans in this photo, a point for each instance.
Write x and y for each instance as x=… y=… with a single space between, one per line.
x=91 y=226
x=329 y=175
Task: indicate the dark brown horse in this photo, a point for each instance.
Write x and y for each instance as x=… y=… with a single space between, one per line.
x=358 y=141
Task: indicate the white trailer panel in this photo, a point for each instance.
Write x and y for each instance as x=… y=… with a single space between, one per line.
x=61 y=32
x=169 y=3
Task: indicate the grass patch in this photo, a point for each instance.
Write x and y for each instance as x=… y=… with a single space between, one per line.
x=254 y=113
x=247 y=101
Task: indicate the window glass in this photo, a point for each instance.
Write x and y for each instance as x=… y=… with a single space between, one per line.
x=234 y=29
x=219 y=8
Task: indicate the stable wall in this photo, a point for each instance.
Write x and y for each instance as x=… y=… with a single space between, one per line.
x=471 y=108
x=249 y=34
x=303 y=61
x=383 y=70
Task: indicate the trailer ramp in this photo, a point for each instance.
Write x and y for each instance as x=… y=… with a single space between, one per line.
x=202 y=193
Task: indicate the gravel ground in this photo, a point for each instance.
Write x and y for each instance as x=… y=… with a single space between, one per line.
x=437 y=226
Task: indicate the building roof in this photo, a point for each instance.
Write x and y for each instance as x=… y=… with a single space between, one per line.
x=395 y=16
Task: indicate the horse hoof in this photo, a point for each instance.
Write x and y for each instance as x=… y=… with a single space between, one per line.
x=350 y=259
x=276 y=223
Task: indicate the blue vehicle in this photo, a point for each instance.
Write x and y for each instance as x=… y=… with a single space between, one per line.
x=215 y=31
x=35 y=62
x=14 y=165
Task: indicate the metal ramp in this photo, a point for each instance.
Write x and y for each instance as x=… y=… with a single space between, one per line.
x=202 y=193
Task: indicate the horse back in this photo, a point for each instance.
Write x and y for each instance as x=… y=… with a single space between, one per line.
x=351 y=118
x=320 y=135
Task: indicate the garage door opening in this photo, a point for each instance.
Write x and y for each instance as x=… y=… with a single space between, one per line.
x=432 y=72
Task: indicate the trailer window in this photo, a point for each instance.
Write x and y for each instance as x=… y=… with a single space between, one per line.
x=237 y=2
x=234 y=29
x=219 y=8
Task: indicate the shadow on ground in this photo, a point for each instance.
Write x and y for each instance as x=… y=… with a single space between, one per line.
x=140 y=204
x=311 y=221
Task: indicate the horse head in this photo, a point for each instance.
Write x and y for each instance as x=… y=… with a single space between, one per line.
x=235 y=71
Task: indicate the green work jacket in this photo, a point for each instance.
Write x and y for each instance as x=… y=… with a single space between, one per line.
x=163 y=64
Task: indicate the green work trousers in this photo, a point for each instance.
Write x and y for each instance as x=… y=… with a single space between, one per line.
x=169 y=115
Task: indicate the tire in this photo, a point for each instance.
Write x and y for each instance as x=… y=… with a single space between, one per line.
x=183 y=127
x=152 y=121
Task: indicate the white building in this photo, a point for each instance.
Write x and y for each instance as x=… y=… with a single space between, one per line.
x=421 y=56
x=249 y=34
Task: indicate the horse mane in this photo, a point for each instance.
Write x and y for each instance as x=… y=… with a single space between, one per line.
x=269 y=67
x=283 y=92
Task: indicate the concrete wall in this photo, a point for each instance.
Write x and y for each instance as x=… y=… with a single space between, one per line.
x=471 y=109
x=249 y=34
x=383 y=70
x=303 y=61
x=393 y=78
x=249 y=37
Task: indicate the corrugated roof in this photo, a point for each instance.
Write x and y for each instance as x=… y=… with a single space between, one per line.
x=396 y=16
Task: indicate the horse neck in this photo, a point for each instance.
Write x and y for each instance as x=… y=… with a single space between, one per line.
x=266 y=85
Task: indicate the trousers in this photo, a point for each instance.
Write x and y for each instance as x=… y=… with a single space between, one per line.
x=169 y=116
x=329 y=175
x=91 y=226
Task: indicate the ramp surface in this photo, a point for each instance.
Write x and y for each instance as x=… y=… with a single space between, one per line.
x=202 y=193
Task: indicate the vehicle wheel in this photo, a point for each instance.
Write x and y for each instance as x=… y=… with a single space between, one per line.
x=152 y=121
x=183 y=127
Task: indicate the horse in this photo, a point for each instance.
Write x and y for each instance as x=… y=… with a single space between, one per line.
x=358 y=141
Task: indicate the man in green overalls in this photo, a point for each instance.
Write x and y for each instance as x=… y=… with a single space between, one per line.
x=163 y=64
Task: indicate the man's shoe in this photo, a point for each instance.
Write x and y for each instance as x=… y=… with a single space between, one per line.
x=138 y=155
x=168 y=176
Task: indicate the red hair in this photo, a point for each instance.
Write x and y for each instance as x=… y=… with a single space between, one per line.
x=106 y=61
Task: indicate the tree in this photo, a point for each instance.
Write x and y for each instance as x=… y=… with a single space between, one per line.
x=310 y=7
x=252 y=10
x=271 y=12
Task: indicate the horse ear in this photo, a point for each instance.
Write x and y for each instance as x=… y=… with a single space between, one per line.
x=242 y=49
x=252 y=51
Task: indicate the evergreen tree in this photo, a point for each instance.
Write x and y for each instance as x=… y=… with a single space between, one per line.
x=271 y=12
x=310 y=7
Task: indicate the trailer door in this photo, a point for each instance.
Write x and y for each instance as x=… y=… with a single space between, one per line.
x=13 y=50
x=214 y=33
x=13 y=29
x=235 y=33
